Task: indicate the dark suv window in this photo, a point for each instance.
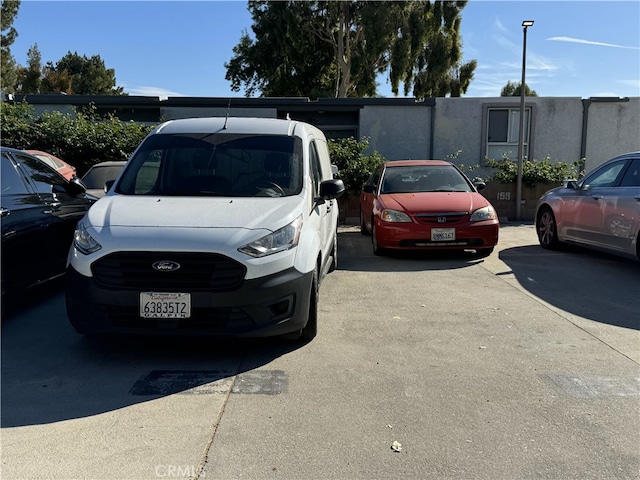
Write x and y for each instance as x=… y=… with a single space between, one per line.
x=12 y=182
x=42 y=175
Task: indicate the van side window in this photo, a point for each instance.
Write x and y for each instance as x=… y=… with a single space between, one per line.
x=316 y=174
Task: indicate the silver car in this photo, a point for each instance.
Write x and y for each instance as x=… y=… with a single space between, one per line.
x=98 y=175
x=601 y=211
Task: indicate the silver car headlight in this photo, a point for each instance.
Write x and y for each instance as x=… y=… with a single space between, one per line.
x=485 y=213
x=84 y=242
x=283 y=239
x=394 y=216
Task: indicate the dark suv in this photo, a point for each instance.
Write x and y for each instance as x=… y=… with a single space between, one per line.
x=39 y=210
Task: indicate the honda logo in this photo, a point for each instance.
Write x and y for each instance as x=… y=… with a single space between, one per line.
x=442 y=219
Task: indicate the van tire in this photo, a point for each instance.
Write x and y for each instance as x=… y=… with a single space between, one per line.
x=334 y=253
x=311 y=328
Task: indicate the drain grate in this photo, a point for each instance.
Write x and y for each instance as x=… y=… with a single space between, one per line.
x=168 y=382
x=203 y=382
x=263 y=382
x=590 y=386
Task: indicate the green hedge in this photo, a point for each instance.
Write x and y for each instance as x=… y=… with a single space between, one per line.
x=354 y=167
x=534 y=172
x=79 y=138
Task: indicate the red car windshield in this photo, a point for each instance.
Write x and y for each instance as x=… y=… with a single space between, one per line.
x=436 y=178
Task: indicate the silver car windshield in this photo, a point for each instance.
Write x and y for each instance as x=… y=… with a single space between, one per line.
x=215 y=165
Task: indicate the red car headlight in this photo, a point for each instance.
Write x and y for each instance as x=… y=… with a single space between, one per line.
x=394 y=216
x=486 y=213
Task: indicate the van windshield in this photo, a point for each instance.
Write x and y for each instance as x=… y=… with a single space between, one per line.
x=220 y=164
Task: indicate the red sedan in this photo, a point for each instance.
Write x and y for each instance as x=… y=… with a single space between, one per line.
x=426 y=205
x=62 y=167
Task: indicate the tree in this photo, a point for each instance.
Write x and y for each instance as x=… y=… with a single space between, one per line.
x=512 y=89
x=54 y=81
x=8 y=76
x=271 y=64
x=310 y=48
x=29 y=78
x=428 y=52
x=80 y=75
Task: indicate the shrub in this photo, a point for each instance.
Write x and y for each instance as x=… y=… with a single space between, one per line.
x=81 y=139
x=354 y=168
x=534 y=172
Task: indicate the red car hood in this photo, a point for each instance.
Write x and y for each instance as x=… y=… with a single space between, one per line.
x=434 y=202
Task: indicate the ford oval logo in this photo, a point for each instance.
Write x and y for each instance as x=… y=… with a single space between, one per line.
x=166 y=266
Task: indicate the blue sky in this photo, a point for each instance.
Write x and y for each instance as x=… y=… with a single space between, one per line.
x=175 y=48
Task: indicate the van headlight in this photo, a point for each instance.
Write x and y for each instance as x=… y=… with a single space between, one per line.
x=486 y=213
x=84 y=242
x=283 y=239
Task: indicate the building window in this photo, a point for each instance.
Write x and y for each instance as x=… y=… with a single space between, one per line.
x=503 y=126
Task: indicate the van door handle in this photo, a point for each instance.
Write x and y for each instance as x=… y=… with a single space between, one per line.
x=4 y=212
x=597 y=197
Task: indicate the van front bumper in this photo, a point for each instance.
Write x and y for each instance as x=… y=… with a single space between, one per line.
x=274 y=305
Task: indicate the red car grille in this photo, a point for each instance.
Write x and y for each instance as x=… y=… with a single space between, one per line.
x=442 y=219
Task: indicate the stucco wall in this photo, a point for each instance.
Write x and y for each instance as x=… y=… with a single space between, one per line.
x=557 y=128
x=397 y=133
x=613 y=129
x=460 y=126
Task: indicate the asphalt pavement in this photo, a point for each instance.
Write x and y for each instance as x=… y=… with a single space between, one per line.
x=522 y=365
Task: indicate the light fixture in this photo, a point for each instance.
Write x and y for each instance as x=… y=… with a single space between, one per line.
x=525 y=25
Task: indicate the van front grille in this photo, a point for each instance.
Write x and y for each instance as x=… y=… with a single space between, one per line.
x=197 y=271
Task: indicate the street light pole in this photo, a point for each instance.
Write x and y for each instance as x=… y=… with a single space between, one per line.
x=525 y=25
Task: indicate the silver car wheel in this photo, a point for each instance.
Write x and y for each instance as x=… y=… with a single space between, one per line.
x=547 y=229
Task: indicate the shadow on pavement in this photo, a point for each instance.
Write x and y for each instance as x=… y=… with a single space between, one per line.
x=356 y=254
x=51 y=374
x=586 y=283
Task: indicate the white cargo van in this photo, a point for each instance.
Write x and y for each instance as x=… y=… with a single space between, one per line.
x=216 y=226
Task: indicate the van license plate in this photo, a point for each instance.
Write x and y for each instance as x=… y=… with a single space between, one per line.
x=165 y=305
x=443 y=234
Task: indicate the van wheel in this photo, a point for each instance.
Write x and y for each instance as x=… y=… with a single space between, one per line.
x=334 y=253
x=311 y=328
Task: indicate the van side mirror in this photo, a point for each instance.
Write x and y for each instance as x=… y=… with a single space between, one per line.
x=330 y=189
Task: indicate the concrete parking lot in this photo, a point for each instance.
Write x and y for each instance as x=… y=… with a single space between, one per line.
x=522 y=365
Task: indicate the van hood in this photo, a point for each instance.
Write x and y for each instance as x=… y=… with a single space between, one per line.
x=270 y=213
